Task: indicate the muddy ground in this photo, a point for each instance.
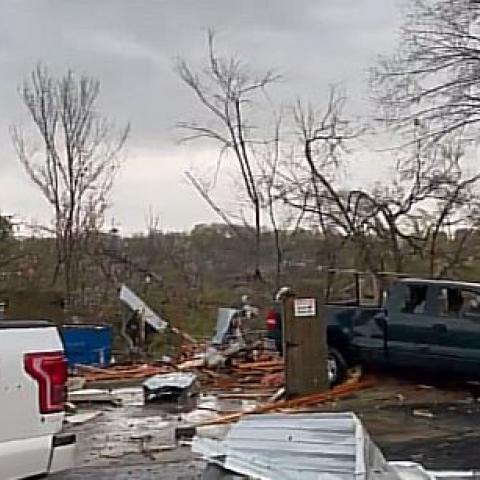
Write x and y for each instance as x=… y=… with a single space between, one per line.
x=436 y=425
x=132 y=442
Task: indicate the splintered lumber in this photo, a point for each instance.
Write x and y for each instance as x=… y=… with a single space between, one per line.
x=247 y=395
x=92 y=374
x=264 y=365
x=89 y=368
x=297 y=403
x=242 y=376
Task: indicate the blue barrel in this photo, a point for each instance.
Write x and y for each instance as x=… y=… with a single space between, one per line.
x=87 y=344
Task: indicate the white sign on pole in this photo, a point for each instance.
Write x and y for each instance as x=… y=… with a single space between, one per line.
x=304 y=307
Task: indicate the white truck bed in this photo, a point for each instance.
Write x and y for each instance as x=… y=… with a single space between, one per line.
x=30 y=441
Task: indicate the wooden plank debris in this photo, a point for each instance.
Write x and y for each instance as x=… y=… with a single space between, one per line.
x=298 y=403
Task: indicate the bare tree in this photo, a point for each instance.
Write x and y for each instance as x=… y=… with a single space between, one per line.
x=434 y=75
x=284 y=221
x=76 y=164
x=430 y=196
x=429 y=193
x=268 y=172
x=203 y=192
x=311 y=181
x=228 y=92
x=432 y=81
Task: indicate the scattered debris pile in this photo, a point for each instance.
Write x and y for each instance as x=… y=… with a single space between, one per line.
x=299 y=403
x=249 y=374
x=232 y=359
x=120 y=372
x=237 y=365
x=237 y=417
x=247 y=377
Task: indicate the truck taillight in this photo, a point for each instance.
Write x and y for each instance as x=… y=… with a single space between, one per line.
x=271 y=320
x=49 y=369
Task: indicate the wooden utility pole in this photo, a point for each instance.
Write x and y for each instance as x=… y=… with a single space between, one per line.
x=305 y=346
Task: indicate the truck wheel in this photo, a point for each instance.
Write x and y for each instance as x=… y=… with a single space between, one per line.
x=336 y=367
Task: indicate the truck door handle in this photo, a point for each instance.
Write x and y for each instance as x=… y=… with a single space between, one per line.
x=440 y=328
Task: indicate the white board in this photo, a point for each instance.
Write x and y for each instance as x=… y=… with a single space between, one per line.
x=304 y=307
x=138 y=305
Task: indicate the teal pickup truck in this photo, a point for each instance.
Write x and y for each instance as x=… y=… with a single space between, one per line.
x=428 y=324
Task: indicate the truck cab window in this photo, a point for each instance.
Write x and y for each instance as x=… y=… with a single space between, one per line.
x=456 y=303
x=416 y=299
x=450 y=302
x=471 y=305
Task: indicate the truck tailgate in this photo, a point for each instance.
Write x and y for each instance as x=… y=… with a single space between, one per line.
x=26 y=435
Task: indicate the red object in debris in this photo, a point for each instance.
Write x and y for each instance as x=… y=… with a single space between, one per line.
x=274 y=380
x=271 y=319
x=49 y=369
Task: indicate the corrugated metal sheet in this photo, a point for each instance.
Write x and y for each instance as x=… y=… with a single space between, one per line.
x=310 y=446
x=298 y=446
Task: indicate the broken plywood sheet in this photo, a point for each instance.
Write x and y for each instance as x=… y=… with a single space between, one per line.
x=93 y=395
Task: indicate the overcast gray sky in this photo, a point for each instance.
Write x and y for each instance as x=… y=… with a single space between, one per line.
x=130 y=46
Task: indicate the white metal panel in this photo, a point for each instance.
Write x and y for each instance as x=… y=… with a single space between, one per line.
x=138 y=305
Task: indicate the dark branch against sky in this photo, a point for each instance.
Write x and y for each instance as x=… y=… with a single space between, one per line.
x=130 y=46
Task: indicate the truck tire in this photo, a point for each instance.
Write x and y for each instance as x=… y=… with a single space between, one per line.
x=336 y=367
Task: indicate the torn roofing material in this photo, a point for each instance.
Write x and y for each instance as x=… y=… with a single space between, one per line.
x=138 y=305
x=298 y=446
x=308 y=446
x=224 y=320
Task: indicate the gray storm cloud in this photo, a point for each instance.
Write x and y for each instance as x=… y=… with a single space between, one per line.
x=131 y=46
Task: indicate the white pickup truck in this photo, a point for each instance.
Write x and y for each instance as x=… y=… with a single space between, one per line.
x=33 y=376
